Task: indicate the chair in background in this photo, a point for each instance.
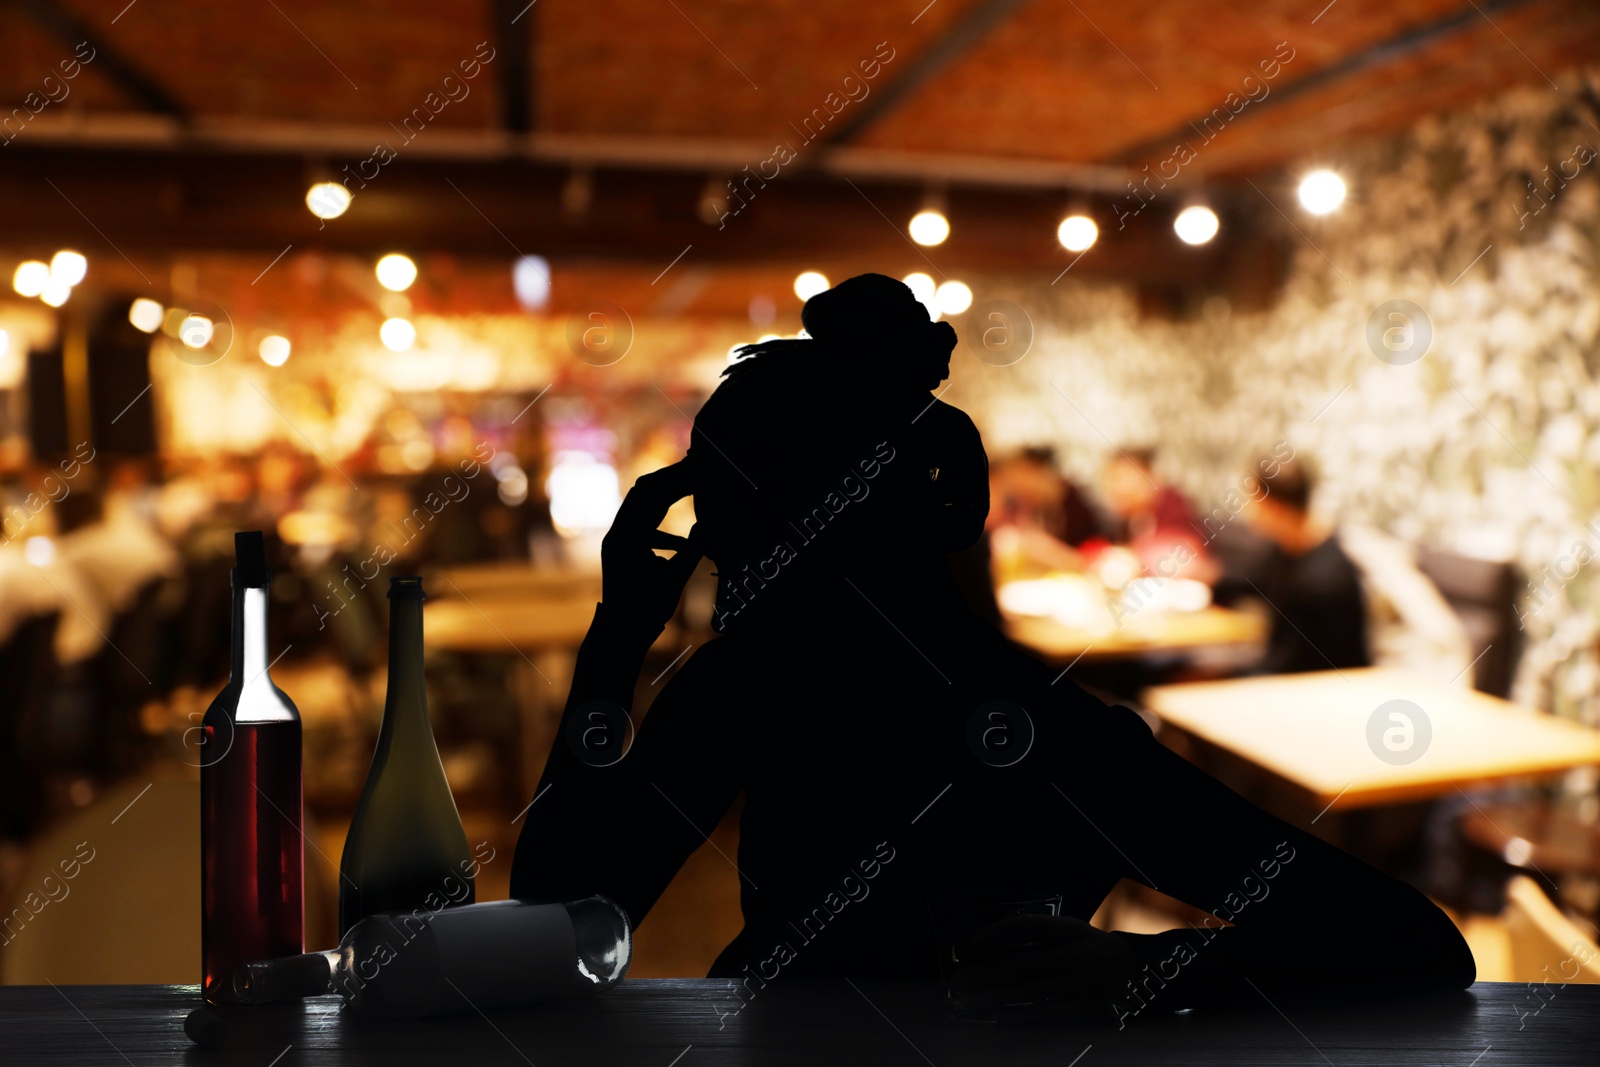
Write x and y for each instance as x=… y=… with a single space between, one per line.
x=1521 y=834
x=129 y=671
x=203 y=624
x=1546 y=946
x=1484 y=596
x=28 y=668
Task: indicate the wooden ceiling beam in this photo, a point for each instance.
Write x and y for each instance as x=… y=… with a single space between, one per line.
x=146 y=133
x=971 y=27
x=165 y=203
x=56 y=20
x=1378 y=54
x=513 y=37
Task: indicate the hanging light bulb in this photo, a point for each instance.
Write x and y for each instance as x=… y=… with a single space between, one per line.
x=809 y=283
x=953 y=297
x=1077 y=233
x=1195 y=225
x=328 y=200
x=1321 y=192
x=924 y=289
x=929 y=227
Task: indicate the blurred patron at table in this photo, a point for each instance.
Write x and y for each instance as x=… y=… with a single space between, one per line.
x=1036 y=519
x=35 y=580
x=1312 y=589
x=1028 y=489
x=1037 y=516
x=1153 y=519
x=113 y=544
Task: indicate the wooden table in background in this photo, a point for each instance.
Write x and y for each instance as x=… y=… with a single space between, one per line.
x=1311 y=730
x=514 y=578
x=525 y=624
x=1168 y=631
x=541 y=620
x=667 y=1022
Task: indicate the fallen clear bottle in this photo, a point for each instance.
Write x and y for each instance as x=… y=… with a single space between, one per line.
x=460 y=959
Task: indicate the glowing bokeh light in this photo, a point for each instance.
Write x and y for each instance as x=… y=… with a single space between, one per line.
x=1196 y=225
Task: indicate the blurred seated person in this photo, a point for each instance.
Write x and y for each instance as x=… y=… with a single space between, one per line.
x=1028 y=488
x=1311 y=586
x=1154 y=519
x=1036 y=519
x=36 y=580
x=114 y=547
x=282 y=477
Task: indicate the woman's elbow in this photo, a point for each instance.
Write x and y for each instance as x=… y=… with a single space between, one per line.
x=1436 y=955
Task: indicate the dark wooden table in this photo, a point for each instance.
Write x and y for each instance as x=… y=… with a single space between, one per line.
x=679 y=1023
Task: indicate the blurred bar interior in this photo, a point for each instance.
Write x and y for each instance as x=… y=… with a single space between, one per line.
x=435 y=315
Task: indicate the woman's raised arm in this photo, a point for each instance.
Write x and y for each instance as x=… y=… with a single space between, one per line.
x=594 y=824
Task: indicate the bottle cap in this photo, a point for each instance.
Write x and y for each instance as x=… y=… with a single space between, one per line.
x=407 y=586
x=205 y=1027
x=250 y=557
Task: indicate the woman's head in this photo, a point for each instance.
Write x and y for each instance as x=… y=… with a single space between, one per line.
x=829 y=448
x=882 y=323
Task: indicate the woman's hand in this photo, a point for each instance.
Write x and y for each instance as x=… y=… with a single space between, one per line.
x=1031 y=967
x=635 y=582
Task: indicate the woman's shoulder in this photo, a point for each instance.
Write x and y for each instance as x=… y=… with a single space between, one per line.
x=947 y=418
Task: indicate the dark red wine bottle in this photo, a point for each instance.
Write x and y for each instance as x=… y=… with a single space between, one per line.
x=251 y=840
x=406 y=848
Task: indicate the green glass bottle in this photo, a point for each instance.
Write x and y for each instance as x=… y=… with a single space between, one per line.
x=406 y=848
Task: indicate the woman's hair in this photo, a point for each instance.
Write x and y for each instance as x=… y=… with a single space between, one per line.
x=829 y=446
x=872 y=330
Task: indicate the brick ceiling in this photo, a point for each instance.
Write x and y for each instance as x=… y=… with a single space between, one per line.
x=1068 y=81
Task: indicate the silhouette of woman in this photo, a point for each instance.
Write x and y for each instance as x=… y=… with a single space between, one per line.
x=892 y=747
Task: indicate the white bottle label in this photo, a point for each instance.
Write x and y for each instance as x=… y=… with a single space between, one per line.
x=507 y=953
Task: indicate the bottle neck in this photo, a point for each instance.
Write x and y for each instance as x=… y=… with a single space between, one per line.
x=285 y=978
x=406 y=705
x=250 y=660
